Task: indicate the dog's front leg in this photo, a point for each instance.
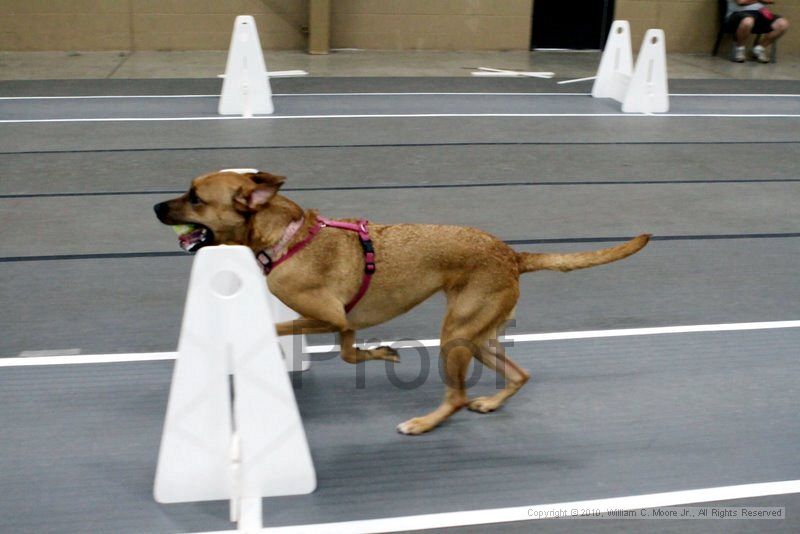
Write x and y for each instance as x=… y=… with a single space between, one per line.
x=351 y=354
x=305 y=326
x=323 y=313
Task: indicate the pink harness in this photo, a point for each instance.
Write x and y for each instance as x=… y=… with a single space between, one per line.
x=360 y=228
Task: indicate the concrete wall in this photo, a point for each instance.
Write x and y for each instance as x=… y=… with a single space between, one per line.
x=206 y=24
x=378 y=24
x=146 y=24
x=432 y=24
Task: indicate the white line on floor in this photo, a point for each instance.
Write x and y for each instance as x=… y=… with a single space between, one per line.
x=544 y=511
x=516 y=338
x=679 y=95
x=737 y=95
x=281 y=95
x=411 y=116
x=87 y=358
x=102 y=97
x=587 y=334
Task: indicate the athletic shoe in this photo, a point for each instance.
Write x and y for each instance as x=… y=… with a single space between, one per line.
x=760 y=54
x=738 y=54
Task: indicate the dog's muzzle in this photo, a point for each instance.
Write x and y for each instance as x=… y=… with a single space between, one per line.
x=162 y=210
x=191 y=236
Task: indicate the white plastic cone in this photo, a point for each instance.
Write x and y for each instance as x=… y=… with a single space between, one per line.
x=245 y=88
x=616 y=64
x=648 y=91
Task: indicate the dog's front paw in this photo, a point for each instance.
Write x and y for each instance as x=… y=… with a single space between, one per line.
x=384 y=353
x=483 y=404
x=414 y=427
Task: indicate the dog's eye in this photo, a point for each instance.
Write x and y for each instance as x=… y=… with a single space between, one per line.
x=194 y=199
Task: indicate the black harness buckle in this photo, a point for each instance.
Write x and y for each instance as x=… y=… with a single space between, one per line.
x=366 y=245
x=369 y=255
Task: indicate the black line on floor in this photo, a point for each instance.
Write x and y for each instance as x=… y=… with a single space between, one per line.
x=131 y=255
x=399 y=145
x=110 y=256
x=418 y=186
x=93 y=194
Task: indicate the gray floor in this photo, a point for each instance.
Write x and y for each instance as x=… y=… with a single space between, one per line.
x=791 y=503
x=607 y=417
x=125 y=65
x=84 y=265
x=380 y=104
x=386 y=84
x=135 y=304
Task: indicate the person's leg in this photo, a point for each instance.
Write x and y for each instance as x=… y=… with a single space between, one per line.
x=745 y=30
x=779 y=27
x=771 y=31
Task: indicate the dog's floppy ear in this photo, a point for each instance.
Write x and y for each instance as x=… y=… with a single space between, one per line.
x=254 y=197
x=265 y=178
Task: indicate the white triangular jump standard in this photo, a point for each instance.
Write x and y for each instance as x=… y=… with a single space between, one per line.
x=245 y=88
x=640 y=89
x=648 y=91
x=616 y=64
x=291 y=346
x=232 y=428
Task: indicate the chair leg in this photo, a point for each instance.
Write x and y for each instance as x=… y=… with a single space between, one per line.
x=715 y=50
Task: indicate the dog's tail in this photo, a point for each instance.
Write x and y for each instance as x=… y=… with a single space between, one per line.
x=554 y=261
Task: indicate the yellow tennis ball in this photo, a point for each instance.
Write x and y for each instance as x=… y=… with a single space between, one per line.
x=182 y=229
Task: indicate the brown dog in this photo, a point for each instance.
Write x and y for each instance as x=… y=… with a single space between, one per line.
x=478 y=273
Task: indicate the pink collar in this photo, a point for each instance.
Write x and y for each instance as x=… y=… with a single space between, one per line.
x=277 y=250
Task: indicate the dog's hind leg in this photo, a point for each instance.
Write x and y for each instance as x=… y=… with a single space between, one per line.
x=493 y=356
x=471 y=317
x=456 y=355
x=351 y=354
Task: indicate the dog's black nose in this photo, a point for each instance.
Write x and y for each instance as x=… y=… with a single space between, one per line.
x=161 y=210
